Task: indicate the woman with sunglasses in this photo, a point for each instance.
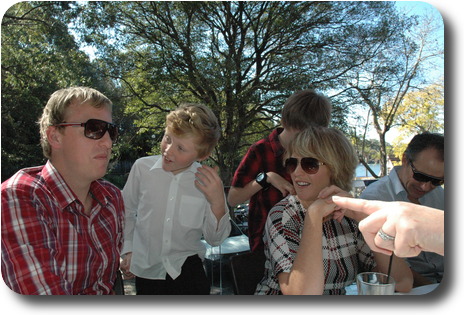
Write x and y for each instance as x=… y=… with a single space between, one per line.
x=310 y=246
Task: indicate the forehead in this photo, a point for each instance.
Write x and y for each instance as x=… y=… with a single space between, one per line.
x=81 y=112
x=428 y=161
x=188 y=140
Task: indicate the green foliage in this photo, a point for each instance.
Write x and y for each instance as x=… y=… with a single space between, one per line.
x=39 y=56
x=421 y=111
x=381 y=83
x=241 y=58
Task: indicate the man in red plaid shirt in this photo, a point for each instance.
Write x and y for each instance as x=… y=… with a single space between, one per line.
x=62 y=225
x=261 y=177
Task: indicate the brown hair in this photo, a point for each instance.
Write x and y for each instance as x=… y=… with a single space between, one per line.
x=306 y=108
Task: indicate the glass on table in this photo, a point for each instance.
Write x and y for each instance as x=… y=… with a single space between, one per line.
x=375 y=283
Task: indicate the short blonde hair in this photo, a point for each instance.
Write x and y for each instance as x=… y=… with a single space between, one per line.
x=56 y=108
x=329 y=146
x=195 y=120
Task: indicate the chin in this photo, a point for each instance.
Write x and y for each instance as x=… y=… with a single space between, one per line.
x=166 y=168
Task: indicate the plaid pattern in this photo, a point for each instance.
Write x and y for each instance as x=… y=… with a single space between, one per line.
x=263 y=156
x=344 y=251
x=48 y=245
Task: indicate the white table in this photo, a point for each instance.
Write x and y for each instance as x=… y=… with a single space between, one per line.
x=353 y=290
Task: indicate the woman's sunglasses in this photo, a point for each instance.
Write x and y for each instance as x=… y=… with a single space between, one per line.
x=309 y=165
x=95 y=129
x=424 y=178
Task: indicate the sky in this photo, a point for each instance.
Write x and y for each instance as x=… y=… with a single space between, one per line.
x=416 y=8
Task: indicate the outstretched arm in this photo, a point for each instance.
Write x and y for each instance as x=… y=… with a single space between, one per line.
x=415 y=228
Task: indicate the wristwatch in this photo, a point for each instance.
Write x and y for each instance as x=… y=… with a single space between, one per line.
x=262 y=180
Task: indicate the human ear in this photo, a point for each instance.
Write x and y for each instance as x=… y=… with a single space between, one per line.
x=404 y=159
x=54 y=136
x=203 y=158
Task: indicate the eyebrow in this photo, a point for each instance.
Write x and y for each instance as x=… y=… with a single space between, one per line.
x=417 y=171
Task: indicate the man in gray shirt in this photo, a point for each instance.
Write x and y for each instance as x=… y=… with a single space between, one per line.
x=418 y=180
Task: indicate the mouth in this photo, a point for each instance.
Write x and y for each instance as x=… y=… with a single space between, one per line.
x=166 y=160
x=302 y=184
x=101 y=157
x=420 y=192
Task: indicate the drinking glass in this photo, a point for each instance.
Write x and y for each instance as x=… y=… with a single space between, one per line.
x=375 y=283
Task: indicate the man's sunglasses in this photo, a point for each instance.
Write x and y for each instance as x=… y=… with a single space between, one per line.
x=309 y=165
x=424 y=178
x=95 y=129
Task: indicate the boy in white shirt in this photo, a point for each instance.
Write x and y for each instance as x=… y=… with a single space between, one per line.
x=172 y=201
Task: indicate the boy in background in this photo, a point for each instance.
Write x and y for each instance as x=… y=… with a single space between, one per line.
x=261 y=177
x=171 y=202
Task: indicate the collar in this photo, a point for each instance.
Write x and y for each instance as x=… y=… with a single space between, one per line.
x=63 y=193
x=57 y=186
x=158 y=165
x=398 y=187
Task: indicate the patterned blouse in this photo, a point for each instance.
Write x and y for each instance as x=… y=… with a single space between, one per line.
x=344 y=251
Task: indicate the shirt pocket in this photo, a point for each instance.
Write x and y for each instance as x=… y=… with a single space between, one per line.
x=192 y=211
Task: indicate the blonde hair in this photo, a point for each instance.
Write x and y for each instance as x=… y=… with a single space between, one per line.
x=196 y=120
x=329 y=146
x=56 y=107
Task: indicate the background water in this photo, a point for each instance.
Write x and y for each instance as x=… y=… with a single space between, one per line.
x=361 y=170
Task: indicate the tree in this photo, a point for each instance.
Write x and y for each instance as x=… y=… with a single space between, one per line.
x=39 y=56
x=421 y=111
x=242 y=59
x=383 y=82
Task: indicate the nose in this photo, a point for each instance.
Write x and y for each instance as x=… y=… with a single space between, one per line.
x=299 y=169
x=106 y=140
x=426 y=186
x=167 y=149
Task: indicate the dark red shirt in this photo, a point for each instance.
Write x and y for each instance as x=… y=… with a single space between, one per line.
x=263 y=156
x=49 y=246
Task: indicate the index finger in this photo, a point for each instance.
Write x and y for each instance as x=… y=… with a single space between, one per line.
x=360 y=205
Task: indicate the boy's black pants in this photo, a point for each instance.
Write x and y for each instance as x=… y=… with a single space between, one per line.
x=191 y=281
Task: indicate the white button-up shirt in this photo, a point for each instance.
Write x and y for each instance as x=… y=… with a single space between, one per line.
x=166 y=217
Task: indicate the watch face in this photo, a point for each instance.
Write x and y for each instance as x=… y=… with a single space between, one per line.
x=260 y=177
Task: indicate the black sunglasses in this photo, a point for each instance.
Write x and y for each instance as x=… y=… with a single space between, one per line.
x=424 y=178
x=309 y=165
x=95 y=129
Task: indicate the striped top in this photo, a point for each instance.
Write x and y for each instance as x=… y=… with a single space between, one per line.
x=344 y=251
